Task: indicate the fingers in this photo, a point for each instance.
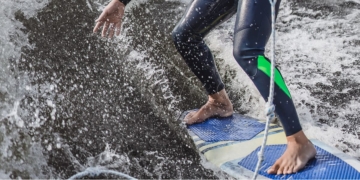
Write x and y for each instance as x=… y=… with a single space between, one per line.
x=105 y=29
x=111 y=30
x=110 y=26
x=118 y=28
x=98 y=25
x=100 y=21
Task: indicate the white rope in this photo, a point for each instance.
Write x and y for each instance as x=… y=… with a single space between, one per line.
x=270 y=108
x=95 y=172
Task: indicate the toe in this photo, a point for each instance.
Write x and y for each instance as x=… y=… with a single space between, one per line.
x=286 y=170
x=298 y=167
x=280 y=170
x=291 y=169
x=189 y=116
x=273 y=169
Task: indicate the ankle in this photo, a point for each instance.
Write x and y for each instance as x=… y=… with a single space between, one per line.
x=220 y=97
x=298 y=138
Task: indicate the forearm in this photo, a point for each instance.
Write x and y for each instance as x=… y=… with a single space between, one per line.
x=125 y=2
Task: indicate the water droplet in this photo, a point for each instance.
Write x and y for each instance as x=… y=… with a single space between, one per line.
x=49 y=148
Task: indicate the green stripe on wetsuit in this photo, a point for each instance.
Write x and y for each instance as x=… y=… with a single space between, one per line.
x=265 y=66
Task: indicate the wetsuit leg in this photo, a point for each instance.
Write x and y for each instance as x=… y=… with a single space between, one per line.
x=252 y=31
x=200 y=18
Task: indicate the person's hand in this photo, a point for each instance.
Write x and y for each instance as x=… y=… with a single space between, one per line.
x=111 y=19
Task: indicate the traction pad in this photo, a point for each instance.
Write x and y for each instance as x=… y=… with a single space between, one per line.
x=323 y=166
x=233 y=128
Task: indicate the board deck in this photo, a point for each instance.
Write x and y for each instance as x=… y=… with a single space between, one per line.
x=232 y=144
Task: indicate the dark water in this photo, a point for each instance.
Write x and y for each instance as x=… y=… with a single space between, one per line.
x=86 y=101
x=102 y=98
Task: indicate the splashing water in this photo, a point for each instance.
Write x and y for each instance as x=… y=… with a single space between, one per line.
x=317 y=53
x=71 y=101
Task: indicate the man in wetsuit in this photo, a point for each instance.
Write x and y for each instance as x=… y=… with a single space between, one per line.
x=252 y=31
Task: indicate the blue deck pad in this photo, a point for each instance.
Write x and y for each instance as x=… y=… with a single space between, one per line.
x=234 y=128
x=323 y=166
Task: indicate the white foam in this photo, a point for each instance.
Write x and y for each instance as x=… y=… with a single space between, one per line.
x=154 y=74
x=18 y=153
x=312 y=54
x=107 y=162
x=309 y=51
x=217 y=171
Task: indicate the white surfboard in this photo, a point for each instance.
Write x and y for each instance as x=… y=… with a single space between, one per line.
x=232 y=145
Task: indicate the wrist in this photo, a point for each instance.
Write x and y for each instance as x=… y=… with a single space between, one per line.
x=124 y=2
x=116 y=4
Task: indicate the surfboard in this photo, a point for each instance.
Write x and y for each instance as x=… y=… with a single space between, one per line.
x=232 y=144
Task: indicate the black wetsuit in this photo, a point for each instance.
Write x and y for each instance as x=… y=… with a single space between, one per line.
x=251 y=33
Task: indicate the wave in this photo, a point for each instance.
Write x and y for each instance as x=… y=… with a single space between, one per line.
x=73 y=101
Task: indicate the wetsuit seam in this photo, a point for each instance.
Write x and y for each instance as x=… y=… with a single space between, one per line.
x=241 y=29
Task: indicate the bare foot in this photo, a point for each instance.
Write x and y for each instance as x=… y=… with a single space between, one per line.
x=218 y=105
x=298 y=152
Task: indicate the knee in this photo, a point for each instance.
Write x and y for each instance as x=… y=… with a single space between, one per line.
x=247 y=60
x=184 y=35
x=240 y=56
x=178 y=35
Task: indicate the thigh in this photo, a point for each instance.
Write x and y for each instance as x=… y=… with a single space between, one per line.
x=203 y=15
x=253 y=25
